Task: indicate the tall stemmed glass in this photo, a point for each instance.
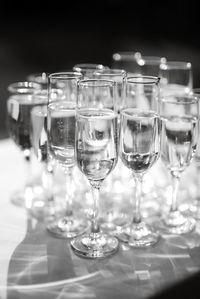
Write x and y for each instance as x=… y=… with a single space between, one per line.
x=140 y=143
x=180 y=115
x=61 y=142
x=43 y=205
x=19 y=106
x=96 y=155
x=114 y=217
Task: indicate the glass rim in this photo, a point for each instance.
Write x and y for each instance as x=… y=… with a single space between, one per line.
x=152 y=60
x=173 y=65
x=23 y=86
x=185 y=99
x=127 y=55
x=91 y=83
x=40 y=77
x=111 y=72
x=65 y=75
x=140 y=112
x=88 y=66
x=143 y=80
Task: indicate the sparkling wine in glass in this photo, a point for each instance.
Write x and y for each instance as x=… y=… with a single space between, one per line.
x=140 y=143
x=61 y=119
x=180 y=115
x=115 y=209
x=139 y=151
x=96 y=155
x=19 y=106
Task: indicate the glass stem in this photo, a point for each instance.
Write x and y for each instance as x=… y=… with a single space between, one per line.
x=175 y=186
x=138 y=193
x=27 y=158
x=69 y=190
x=47 y=181
x=95 y=193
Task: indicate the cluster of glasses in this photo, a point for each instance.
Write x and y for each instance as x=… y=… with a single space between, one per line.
x=96 y=122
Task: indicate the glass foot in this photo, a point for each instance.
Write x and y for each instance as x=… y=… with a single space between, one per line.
x=139 y=235
x=176 y=223
x=68 y=227
x=95 y=245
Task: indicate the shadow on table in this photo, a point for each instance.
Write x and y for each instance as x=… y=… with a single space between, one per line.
x=43 y=267
x=39 y=261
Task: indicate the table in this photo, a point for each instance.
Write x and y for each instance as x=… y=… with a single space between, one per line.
x=33 y=264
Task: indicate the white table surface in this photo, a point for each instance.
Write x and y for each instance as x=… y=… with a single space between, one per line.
x=33 y=264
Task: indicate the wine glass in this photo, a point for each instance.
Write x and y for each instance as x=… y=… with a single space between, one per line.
x=88 y=69
x=61 y=142
x=176 y=77
x=96 y=155
x=19 y=106
x=128 y=61
x=180 y=115
x=112 y=218
x=150 y=65
x=140 y=144
x=43 y=204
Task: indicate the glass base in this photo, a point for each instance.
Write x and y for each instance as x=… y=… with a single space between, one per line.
x=95 y=245
x=139 y=235
x=176 y=223
x=68 y=226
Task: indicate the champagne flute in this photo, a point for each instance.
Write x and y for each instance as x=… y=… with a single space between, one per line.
x=112 y=218
x=61 y=142
x=140 y=143
x=43 y=204
x=180 y=115
x=96 y=155
x=19 y=106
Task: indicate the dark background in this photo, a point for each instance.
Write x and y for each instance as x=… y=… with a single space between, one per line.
x=53 y=36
